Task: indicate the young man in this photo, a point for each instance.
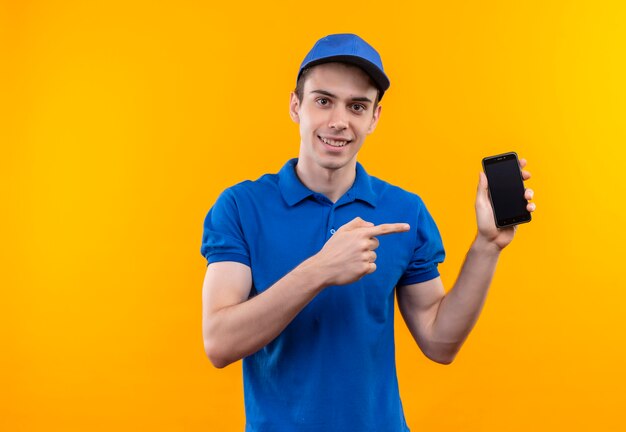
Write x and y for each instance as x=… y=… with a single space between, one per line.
x=304 y=264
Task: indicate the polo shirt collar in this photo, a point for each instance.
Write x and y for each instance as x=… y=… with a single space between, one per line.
x=293 y=191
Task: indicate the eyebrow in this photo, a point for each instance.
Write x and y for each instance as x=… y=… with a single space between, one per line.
x=329 y=94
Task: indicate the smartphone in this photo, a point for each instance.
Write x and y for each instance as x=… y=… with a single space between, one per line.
x=506 y=189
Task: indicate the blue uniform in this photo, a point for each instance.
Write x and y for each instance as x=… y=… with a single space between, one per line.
x=333 y=367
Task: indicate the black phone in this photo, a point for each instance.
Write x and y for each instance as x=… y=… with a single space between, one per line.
x=506 y=189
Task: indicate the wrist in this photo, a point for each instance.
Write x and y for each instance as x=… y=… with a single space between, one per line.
x=311 y=274
x=485 y=246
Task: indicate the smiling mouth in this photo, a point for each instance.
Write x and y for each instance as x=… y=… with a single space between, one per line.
x=334 y=143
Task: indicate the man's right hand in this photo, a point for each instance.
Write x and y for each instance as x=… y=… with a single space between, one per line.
x=349 y=254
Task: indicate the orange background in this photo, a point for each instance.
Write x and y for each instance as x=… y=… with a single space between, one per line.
x=122 y=121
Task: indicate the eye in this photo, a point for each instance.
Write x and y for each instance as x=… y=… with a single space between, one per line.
x=323 y=101
x=358 y=107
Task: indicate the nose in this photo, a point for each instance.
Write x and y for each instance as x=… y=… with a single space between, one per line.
x=338 y=119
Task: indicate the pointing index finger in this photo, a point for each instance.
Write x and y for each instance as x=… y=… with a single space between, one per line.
x=388 y=228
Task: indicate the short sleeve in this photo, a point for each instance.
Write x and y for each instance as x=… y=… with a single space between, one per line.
x=223 y=239
x=428 y=252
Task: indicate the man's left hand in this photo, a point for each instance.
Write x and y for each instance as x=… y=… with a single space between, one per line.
x=487 y=229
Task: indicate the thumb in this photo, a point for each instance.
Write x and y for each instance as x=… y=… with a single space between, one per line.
x=482 y=194
x=357 y=222
x=482 y=184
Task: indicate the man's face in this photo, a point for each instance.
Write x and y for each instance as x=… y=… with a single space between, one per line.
x=335 y=115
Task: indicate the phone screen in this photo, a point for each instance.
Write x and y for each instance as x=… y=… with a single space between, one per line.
x=506 y=189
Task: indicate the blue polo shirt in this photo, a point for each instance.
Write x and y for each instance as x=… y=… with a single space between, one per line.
x=333 y=367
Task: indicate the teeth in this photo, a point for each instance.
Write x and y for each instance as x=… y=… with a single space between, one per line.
x=334 y=143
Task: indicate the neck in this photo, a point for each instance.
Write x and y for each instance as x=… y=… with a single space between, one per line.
x=332 y=183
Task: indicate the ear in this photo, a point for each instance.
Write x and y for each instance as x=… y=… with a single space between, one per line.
x=294 y=107
x=374 y=120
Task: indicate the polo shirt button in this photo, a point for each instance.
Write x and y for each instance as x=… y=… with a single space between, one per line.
x=332 y=230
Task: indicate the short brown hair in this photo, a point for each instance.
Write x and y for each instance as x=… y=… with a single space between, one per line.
x=299 y=90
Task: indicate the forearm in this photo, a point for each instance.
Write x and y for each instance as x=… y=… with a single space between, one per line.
x=460 y=308
x=239 y=330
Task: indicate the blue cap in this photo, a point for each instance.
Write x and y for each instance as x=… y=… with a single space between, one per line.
x=348 y=48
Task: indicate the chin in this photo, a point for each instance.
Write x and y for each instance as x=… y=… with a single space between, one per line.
x=333 y=164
